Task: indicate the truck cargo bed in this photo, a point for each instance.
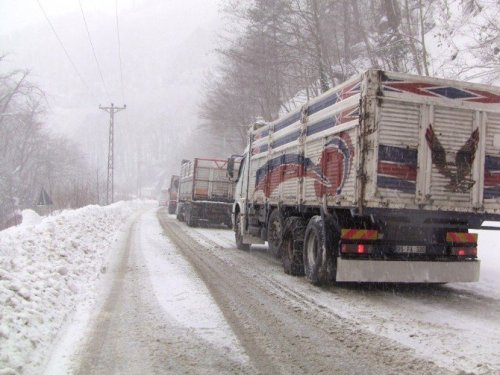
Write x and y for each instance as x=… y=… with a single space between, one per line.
x=385 y=141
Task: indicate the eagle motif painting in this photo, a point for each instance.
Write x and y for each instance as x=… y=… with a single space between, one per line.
x=459 y=172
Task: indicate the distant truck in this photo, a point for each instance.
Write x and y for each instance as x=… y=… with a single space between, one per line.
x=379 y=179
x=205 y=192
x=163 y=198
x=172 y=194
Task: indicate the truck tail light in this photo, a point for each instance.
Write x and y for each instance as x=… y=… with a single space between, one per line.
x=356 y=248
x=357 y=241
x=464 y=251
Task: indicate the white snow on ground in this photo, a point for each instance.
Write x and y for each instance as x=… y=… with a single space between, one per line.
x=51 y=272
x=181 y=293
x=489 y=253
x=440 y=323
x=30 y=217
x=53 y=276
x=46 y=271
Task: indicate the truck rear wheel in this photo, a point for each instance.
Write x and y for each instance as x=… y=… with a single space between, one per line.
x=238 y=236
x=292 y=245
x=171 y=209
x=275 y=232
x=319 y=263
x=190 y=220
x=180 y=214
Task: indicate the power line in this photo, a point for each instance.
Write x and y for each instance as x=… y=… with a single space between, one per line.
x=93 y=50
x=64 y=49
x=119 y=49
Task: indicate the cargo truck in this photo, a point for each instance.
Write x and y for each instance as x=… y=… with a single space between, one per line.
x=379 y=179
x=205 y=192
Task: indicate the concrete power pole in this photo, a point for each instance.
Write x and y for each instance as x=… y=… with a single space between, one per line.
x=110 y=181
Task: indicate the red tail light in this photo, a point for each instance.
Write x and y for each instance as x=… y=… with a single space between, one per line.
x=353 y=248
x=464 y=251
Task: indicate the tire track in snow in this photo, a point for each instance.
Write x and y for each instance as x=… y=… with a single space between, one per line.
x=133 y=334
x=455 y=327
x=282 y=331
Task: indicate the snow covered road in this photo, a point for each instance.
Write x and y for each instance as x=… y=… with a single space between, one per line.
x=114 y=290
x=456 y=326
x=158 y=317
x=277 y=318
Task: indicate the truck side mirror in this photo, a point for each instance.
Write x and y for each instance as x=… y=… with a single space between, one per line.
x=230 y=167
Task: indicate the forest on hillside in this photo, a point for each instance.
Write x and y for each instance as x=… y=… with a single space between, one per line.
x=288 y=51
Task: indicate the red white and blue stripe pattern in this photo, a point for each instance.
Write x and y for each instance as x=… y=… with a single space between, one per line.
x=345 y=116
x=492 y=177
x=397 y=168
x=439 y=91
x=329 y=99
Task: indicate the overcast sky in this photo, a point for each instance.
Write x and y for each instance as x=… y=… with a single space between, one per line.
x=18 y=14
x=166 y=51
x=156 y=47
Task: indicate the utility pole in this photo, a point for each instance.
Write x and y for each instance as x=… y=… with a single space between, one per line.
x=110 y=181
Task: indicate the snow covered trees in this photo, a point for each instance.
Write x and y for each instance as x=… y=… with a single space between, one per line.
x=287 y=51
x=30 y=157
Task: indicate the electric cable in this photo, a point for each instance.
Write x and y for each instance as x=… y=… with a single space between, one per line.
x=119 y=50
x=93 y=51
x=64 y=49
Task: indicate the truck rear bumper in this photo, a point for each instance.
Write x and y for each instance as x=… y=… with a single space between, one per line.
x=407 y=271
x=213 y=212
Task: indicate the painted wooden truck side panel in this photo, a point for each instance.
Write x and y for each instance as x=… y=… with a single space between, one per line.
x=384 y=140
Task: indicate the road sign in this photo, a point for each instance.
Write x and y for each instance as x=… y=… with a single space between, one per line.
x=44 y=199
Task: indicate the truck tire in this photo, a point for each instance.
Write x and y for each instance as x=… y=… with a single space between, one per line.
x=238 y=236
x=275 y=232
x=292 y=246
x=190 y=220
x=180 y=214
x=319 y=262
x=171 y=209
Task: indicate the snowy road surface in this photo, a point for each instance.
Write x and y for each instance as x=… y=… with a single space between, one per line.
x=361 y=328
x=158 y=317
x=174 y=299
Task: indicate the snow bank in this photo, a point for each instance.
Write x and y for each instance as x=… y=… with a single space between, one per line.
x=30 y=217
x=46 y=270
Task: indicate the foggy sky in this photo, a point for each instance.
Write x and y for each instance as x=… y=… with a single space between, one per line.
x=166 y=49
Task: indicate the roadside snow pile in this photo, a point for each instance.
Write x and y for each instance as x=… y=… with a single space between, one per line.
x=30 y=217
x=46 y=270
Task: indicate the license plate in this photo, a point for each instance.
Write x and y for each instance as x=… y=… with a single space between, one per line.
x=410 y=249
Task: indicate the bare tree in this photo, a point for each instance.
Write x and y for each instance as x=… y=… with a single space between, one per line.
x=31 y=158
